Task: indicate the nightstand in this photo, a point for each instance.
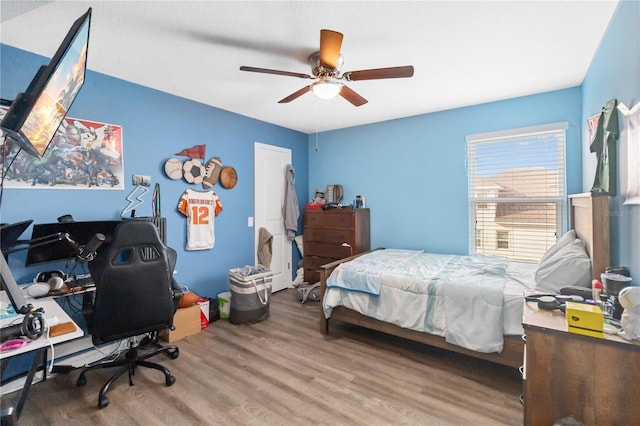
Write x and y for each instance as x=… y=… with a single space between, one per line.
x=595 y=380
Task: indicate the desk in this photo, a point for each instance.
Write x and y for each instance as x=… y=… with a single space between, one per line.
x=52 y=310
x=595 y=380
x=11 y=413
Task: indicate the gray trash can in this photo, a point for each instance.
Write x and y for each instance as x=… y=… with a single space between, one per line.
x=250 y=295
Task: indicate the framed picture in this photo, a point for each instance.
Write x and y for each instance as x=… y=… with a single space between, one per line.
x=82 y=155
x=592 y=125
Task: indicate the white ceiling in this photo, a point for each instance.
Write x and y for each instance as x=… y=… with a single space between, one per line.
x=464 y=52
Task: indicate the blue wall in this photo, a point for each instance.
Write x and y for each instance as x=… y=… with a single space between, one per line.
x=615 y=74
x=413 y=170
x=156 y=125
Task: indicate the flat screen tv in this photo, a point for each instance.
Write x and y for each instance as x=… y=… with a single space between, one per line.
x=35 y=115
x=59 y=248
x=8 y=284
x=10 y=234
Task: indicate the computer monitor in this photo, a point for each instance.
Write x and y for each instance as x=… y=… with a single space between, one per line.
x=8 y=284
x=36 y=114
x=56 y=249
x=9 y=234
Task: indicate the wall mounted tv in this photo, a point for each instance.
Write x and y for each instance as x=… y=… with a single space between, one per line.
x=35 y=115
x=8 y=284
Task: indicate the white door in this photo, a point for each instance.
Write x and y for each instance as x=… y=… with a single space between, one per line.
x=269 y=165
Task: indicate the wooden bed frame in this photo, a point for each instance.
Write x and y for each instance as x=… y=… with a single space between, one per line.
x=588 y=216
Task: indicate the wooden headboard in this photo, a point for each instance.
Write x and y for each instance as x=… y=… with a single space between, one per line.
x=589 y=217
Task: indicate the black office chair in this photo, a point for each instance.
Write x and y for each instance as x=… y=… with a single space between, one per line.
x=135 y=298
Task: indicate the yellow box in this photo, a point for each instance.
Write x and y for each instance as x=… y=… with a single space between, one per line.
x=186 y=321
x=584 y=319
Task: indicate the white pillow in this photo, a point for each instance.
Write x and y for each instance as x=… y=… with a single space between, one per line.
x=568 y=237
x=568 y=266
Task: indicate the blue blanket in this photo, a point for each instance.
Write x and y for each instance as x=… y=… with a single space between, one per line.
x=473 y=300
x=364 y=273
x=458 y=297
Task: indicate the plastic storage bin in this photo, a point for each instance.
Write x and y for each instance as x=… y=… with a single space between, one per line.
x=250 y=295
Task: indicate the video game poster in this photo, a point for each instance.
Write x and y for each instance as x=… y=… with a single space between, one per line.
x=82 y=155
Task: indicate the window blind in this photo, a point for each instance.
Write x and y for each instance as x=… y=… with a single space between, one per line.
x=517 y=191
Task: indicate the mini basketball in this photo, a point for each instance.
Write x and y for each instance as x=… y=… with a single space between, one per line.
x=193 y=171
x=228 y=177
x=173 y=168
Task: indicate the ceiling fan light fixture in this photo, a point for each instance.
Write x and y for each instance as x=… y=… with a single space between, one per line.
x=326 y=89
x=326 y=75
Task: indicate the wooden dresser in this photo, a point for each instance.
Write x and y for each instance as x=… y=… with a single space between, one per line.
x=595 y=380
x=330 y=235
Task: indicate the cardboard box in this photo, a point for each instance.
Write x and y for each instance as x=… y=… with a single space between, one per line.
x=587 y=320
x=204 y=313
x=186 y=322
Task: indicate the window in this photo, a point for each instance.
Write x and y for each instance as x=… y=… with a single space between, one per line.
x=479 y=238
x=517 y=190
x=502 y=239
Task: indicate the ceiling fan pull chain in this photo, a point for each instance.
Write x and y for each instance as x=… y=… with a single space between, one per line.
x=317 y=147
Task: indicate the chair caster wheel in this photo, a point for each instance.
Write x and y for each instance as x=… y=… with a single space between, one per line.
x=174 y=354
x=82 y=380
x=103 y=401
x=169 y=380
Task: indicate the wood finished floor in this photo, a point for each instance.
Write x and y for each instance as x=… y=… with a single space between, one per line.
x=282 y=371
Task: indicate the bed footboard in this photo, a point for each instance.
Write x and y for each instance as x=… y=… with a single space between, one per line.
x=325 y=271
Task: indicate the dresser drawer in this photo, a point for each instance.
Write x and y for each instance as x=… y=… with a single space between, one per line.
x=324 y=235
x=315 y=262
x=333 y=251
x=325 y=232
x=311 y=276
x=312 y=266
x=329 y=219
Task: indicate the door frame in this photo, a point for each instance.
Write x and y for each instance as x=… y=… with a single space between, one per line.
x=287 y=257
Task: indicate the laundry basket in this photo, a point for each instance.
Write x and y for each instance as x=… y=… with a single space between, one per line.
x=250 y=294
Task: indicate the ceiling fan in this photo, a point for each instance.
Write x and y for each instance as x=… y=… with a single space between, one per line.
x=325 y=67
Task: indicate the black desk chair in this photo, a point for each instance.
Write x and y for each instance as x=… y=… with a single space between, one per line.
x=135 y=296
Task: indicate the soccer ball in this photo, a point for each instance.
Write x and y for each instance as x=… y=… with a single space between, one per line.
x=173 y=168
x=193 y=171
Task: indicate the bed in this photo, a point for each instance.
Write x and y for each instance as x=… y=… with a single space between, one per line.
x=393 y=303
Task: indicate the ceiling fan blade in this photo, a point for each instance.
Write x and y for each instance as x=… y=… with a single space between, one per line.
x=352 y=96
x=295 y=95
x=330 y=44
x=379 y=73
x=276 y=72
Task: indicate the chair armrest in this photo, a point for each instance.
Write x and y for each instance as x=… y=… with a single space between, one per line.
x=177 y=292
x=87 y=309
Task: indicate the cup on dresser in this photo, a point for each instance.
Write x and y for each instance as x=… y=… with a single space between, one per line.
x=607 y=306
x=614 y=283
